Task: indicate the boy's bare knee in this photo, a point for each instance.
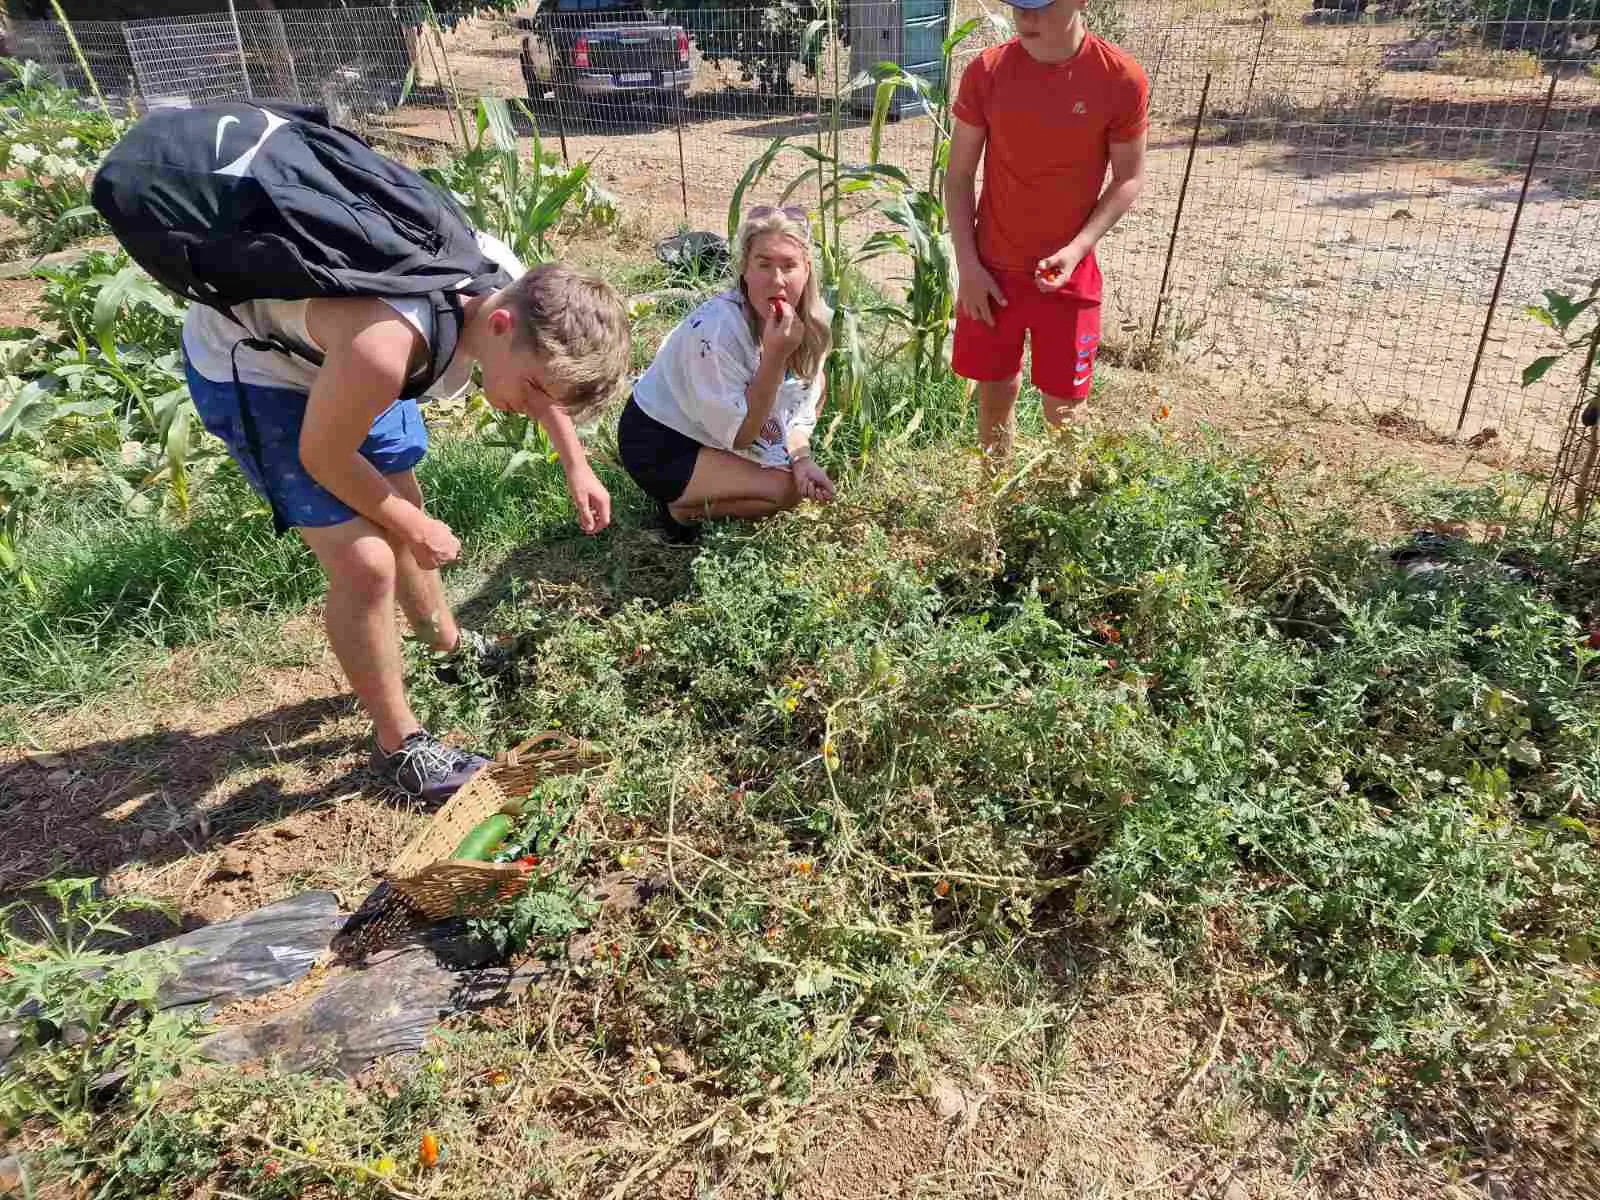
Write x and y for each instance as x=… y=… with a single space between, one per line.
x=365 y=570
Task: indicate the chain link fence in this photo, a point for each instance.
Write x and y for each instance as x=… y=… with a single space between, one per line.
x=1362 y=216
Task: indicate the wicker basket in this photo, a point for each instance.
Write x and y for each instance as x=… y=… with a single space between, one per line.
x=440 y=887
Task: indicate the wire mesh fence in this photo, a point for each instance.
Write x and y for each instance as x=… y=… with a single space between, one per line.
x=1347 y=225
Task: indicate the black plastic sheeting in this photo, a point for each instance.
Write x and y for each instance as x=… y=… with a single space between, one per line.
x=387 y=1006
x=248 y=956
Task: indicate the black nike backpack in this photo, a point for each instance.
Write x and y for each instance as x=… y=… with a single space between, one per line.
x=267 y=200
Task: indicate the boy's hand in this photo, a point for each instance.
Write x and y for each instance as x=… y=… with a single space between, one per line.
x=1054 y=273
x=591 y=499
x=975 y=292
x=783 y=330
x=432 y=543
x=811 y=481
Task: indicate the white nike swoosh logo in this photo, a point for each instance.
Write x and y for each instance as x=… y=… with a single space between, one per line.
x=222 y=126
x=1081 y=382
x=241 y=164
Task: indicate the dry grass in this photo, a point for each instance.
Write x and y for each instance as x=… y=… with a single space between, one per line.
x=1480 y=62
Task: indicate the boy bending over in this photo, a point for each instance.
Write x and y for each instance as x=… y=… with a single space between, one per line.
x=333 y=451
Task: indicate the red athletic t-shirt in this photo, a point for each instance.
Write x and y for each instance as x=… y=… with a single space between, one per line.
x=1050 y=127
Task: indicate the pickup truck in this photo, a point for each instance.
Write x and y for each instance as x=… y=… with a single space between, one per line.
x=592 y=49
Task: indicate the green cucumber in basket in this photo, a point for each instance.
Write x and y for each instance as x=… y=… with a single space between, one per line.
x=484 y=839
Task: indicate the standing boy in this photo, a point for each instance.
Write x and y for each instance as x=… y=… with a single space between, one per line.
x=1047 y=112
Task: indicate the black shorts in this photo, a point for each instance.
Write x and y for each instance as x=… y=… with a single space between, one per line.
x=659 y=458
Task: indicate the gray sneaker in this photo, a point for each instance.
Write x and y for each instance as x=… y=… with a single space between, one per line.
x=494 y=658
x=425 y=767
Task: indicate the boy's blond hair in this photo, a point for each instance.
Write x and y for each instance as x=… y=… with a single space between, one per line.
x=578 y=326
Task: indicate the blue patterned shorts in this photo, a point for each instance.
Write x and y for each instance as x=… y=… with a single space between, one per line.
x=396 y=443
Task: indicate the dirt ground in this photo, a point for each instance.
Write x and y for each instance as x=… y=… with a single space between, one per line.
x=1343 y=224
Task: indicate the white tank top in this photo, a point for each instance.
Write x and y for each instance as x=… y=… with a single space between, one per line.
x=209 y=337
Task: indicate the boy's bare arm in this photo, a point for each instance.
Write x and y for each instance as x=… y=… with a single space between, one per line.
x=1127 y=181
x=368 y=350
x=589 y=495
x=976 y=289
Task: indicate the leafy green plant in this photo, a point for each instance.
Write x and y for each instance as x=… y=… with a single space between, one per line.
x=1573 y=482
x=109 y=386
x=86 y=1019
x=51 y=141
x=552 y=908
x=522 y=201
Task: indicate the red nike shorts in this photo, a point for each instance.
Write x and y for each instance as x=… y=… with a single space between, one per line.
x=1063 y=328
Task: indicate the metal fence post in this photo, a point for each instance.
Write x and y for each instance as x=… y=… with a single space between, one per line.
x=1505 y=257
x=561 y=122
x=448 y=79
x=1250 y=88
x=1177 y=217
x=683 y=171
x=238 y=44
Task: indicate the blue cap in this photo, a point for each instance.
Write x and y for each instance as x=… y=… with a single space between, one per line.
x=1030 y=3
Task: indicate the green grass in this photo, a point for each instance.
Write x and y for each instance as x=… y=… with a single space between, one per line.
x=114 y=590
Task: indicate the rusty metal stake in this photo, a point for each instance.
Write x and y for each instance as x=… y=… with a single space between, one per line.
x=683 y=172
x=1177 y=217
x=1505 y=257
x=561 y=120
x=1250 y=88
x=1161 y=57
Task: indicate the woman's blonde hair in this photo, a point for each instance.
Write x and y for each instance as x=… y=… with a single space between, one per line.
x=814 y=313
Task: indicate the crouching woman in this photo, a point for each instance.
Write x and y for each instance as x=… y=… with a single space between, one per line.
x=720 y=423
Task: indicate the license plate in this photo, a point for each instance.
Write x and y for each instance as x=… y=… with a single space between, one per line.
x=634 y=77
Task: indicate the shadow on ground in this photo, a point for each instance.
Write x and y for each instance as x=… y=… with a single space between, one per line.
x=152 y=797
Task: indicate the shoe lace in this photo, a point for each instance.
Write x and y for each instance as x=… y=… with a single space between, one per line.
x=430 y=758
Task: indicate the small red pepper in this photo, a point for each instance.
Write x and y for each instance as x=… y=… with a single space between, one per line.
x=529 y=861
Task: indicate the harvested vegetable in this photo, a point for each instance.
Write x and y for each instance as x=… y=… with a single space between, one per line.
x=484 y=839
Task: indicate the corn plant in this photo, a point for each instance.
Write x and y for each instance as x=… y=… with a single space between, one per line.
x=848 y=191
x=109 y=387
x=522 y=201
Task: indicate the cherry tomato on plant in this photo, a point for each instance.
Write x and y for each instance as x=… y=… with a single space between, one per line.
x=428 y=1153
